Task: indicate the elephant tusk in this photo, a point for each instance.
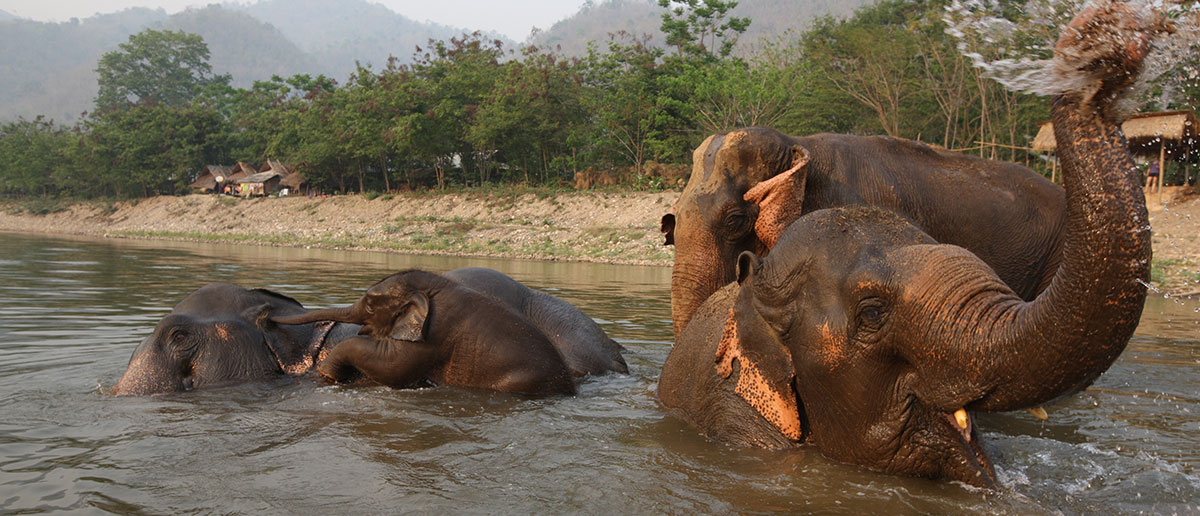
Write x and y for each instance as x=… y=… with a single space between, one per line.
x=960 y=419
x=1039 y=413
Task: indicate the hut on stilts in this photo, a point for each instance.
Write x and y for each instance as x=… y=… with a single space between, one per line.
x=1163 y=136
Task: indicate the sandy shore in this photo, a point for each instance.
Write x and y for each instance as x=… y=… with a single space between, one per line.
x=612 y=227
x=587 y=226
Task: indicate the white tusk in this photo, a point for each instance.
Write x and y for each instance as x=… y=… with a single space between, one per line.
x=960 y=418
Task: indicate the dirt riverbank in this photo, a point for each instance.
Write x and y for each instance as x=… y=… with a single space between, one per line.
x=612 y=227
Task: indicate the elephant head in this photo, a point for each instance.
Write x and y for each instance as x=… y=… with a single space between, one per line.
x=719 y=215
x=218 y=335
x=864 y=336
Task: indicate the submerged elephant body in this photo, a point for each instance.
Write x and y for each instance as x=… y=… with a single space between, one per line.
x=1006 y=214
x=863 y=335
x=415 y=328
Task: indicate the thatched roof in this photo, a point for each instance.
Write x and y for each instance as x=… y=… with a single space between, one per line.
x=260 y=177
x=275 y=166
x=205 y=182
x=1175 y=131
x=208 y=179
x=293 y=181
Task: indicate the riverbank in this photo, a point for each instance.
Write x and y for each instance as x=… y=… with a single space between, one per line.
x=596 y=226
x=610 y=227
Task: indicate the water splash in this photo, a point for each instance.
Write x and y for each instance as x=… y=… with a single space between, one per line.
x=1015 y=48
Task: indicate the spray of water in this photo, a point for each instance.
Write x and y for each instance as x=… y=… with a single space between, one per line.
x=1015 y=48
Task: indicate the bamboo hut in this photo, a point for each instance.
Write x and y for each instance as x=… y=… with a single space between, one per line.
x=1168 y=135
x=259 y=184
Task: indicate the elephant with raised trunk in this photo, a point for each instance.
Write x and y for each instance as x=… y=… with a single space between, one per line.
x=866 y=337
x=424 y=328
x=748 y=185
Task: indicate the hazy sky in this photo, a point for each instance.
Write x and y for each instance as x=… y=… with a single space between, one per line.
x=513 y=18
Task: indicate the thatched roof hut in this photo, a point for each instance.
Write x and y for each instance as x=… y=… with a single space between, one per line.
x=211 y=177
x=1170 y=134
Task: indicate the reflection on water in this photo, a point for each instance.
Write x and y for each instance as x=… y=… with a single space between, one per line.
x=71 y=312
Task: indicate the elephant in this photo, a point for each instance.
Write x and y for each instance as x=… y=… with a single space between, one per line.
x=864 y=336
x=224 y=334
x=419 y=328
x=749 y=184
x=582 y=343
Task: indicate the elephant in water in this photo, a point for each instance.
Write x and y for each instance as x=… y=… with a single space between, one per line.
x=862 y=335
x=748 y=185
x=223 y=334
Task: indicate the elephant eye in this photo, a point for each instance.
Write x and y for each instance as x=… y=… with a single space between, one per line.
x=737 y=221
x=872 y=314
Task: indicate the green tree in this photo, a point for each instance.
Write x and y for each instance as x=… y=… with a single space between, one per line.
x=701 y=27
x=532 y=113
x=154 y=67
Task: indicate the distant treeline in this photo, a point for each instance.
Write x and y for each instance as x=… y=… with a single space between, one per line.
x=469 y=112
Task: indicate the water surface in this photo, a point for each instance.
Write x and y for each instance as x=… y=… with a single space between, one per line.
x=72 y=311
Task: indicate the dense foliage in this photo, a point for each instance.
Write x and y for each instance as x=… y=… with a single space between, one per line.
x=468 y=111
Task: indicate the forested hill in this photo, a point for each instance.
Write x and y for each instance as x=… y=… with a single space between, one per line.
x=338 y=33
x=770 y=19
x=5 y=15
x=48 y=68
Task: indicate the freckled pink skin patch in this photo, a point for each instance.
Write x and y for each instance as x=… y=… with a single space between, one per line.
x=781 y=411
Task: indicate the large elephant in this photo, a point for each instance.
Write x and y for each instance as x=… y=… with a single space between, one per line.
x=864 y=336
x=748 y=185
x=224 y=334
x=420 y=327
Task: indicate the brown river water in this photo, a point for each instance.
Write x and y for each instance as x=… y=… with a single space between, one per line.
x=72 y=311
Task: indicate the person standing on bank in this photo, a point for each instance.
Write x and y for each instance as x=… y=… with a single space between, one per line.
x=1153 y=176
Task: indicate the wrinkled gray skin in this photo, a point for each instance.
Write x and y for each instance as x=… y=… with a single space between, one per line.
x=585 y=347
x=862 y=335
x=222 y=334
x=421 y=328
x=1006 y=214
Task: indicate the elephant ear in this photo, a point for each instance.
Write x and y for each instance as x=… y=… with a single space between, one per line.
x=410 y=323
x=291 y=359
x=765 y=374
x=668 y=228
x=779 y=198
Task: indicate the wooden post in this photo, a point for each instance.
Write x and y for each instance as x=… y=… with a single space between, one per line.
x=1162 y=166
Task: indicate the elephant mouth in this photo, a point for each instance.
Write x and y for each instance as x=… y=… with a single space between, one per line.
x=975 y=467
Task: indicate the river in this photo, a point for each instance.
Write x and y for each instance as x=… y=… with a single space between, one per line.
x=72 y=311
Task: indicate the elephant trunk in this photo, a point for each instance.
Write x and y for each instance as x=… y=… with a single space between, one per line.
x=343 y=315
x=693 y=279
x=1031 y=353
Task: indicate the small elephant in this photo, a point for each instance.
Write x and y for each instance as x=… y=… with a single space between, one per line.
x=223 y=334
x=420 y=327
x=864 y=336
